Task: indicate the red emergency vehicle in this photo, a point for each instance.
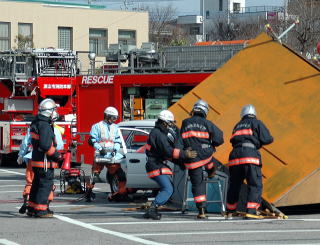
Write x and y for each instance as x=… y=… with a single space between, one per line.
x=139 y=91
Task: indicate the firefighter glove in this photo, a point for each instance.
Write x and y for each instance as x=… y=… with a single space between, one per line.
x=103 y=152
x=57 y=157
x=20 y=160
x=191 y=153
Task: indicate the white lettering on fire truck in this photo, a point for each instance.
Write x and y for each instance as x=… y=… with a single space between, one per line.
x=57 y=86
x=97 y=79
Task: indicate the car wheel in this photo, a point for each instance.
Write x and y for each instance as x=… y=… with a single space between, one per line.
x=113 y=182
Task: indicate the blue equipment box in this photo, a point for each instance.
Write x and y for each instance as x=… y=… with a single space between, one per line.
x=216 y=190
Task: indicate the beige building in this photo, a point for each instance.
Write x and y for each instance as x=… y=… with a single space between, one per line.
x=77 y=27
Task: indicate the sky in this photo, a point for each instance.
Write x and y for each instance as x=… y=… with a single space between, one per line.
x=183 y=7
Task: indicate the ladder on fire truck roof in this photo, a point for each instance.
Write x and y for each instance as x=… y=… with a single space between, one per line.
x=19 y=66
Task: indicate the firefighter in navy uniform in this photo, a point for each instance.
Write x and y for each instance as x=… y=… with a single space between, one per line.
x=248 y=136
x=203 y=136
x=160 y=148
x=45 y=158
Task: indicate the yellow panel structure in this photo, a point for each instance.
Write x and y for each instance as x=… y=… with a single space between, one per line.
x=285 y=89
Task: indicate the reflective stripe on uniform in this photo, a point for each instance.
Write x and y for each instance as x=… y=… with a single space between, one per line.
x=244 y=160
x=197 y=134
x=209 y=166
x=158 y=172
x=153 y=173
x=40 y=164
x=176 y=153
x=253 y=205
x=201 y=198
x=200 y=163
x=243 y=132
x=232 y=206
x=40 y=207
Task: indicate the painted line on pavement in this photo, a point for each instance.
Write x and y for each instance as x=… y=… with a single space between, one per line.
x=7 y=242
x=10 y=191
x=211 y=220
x=4 y=186
x=113 y=233
x=224 y=232
x=11 y=172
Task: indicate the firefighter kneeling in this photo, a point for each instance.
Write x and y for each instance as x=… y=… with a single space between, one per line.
x=105 y=138
x=159 y=149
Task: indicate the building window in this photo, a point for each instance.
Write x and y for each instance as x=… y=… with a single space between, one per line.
x=207 y=14
x=25 y=39
x=4 y=36
x=65 y=38
x=98 y=41
x=236 y=7
x=127 y=37
x=195 y=30
x=220 y=5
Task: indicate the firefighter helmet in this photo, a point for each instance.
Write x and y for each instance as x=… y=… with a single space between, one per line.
x=201 y=106
x=111 y=111
x=166 y=116
x=248 y=110
x=47 y=107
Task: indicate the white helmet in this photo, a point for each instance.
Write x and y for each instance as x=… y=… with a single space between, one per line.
x=166 y=116
x=248 y=110
x=47 y=107
x=111 y=112
x=201 y=106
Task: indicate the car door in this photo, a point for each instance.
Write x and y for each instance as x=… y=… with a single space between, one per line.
x=135 y=142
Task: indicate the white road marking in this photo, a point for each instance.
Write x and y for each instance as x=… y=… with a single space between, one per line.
x=7 y=242
x=212 y=220
x=4 y=186
x=113 y=233
x=9 y=191
x=224 y=232
x=7 y=180
x=11 y=172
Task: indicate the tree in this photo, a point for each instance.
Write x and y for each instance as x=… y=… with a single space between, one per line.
x=163 y=28
x=305 y=36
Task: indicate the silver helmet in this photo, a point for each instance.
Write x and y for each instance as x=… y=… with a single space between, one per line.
x=248 y=110
x=166 y=116
x=201 y=106
x=47 y=107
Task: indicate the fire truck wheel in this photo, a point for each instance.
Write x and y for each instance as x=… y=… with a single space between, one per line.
x=113 y=182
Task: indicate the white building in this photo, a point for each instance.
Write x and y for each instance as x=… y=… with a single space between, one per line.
x=218 y=12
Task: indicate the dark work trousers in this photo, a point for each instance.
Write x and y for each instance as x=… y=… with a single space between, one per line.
x=252 y=174
x=41 y=187
x=198 y=186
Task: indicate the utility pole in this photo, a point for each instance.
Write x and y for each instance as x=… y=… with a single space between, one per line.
x=203 y=34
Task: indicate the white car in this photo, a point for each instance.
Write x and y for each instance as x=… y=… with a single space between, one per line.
x=134 y=136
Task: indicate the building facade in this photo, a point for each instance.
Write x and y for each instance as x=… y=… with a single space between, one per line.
x=77 y=27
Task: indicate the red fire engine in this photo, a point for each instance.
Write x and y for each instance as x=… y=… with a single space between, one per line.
x=149 y=83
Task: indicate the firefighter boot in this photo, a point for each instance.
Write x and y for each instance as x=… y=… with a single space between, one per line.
x=23 y=208
x=152 y=212
x=202 y=214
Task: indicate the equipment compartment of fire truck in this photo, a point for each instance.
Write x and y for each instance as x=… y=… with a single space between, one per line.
x=138 y=82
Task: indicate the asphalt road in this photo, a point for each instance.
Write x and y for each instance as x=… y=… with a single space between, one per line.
x=101 y=222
